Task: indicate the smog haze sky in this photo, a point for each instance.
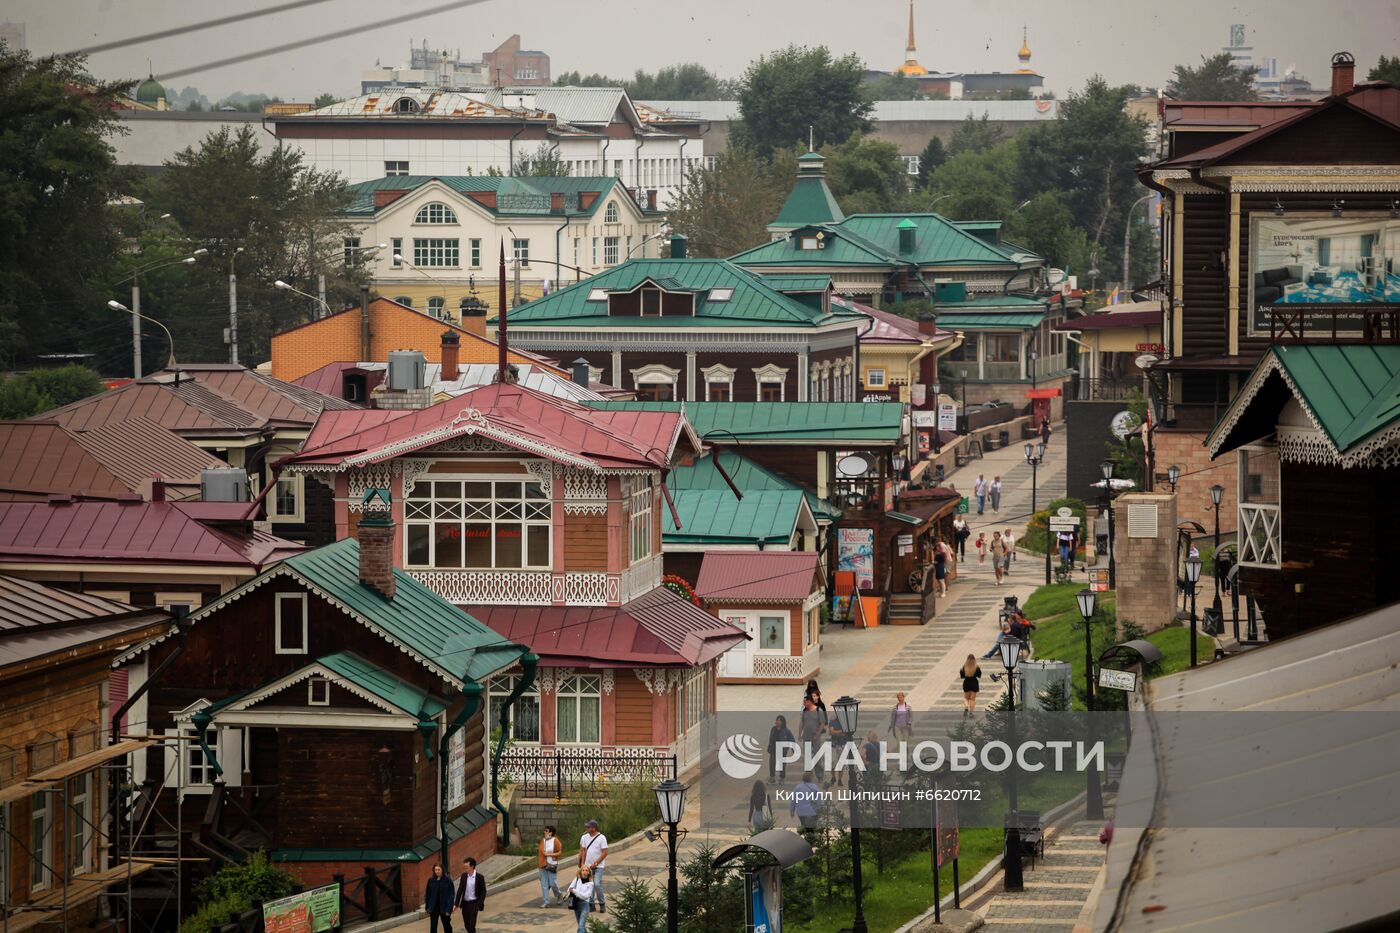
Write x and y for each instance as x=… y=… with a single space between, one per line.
x=1129 y=41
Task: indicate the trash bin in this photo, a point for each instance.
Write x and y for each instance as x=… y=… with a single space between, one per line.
x=1212 y=621
x=1005 y=439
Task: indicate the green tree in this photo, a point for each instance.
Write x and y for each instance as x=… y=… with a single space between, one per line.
x=727 y=209
x=973 y=185
x=974 y=135
x=20 y=399
x=687 y=81
x=1128 y=451
x=784 y=93
x=866 y=175
x=65 y=384
x=194 y=106
x=895 y=86
x=232 y=890
x=710 y=898
x=1046 y=227
x=289 y=223
x=636 y=908
x=930 y=159
x=543 y=162
x=1217 y=78
x=325 y=100
x=576 y=79
x=1387 y=69
x=58 y=225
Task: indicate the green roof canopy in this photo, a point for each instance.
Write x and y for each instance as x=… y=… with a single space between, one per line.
x=715 y=516
x=747 y=474
x=877 y=423
x=379 y=682
x=873 y=240
x=962 y=320
x=522 y=196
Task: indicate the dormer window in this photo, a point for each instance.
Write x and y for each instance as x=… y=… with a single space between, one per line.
x=405 y=105
x=721 y=294
x=651 y=302
x=435 y=213
x=610 y=215
x=809 y=242
x=648 y=299
x=597 y=294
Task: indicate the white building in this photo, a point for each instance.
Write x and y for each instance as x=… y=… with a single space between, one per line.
x=421 y=131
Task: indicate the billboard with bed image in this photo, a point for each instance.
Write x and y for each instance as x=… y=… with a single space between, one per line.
x=1301 y=261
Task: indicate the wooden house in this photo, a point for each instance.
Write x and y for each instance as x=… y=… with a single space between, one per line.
x=331 y=711
x=542 y=518
x=776 y=598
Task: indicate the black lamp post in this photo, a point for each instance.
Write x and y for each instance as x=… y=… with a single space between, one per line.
x=1087 y=599
x=1193 y=577
x=847 y=711
x=670 y=797
x=964 y=404
x=1217 y=492
x=1173 y=474
x=1035 y=454
x=1010 y=649
x=937 y=441
x=1107 y=468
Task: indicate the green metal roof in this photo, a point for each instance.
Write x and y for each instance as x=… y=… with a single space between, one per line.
x=531 y=194
x=991 y=313
x=753 y=302
x=375 y=680
x=857 y=422
x=715 y=516
x=873 y=239
x=747 y=474
x=798 y=282
x=1351 y=390
x=809 y=202
x=417 y=619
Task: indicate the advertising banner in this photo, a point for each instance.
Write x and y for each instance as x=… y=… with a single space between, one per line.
x=945 y=827
x=766 y=908
x=855 y=551
x=1305 y=268
x=307 y=912
x=947 y=417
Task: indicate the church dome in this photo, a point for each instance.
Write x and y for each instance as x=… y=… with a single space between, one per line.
x=911 y=68
x=149 y=91
x=1025 y=53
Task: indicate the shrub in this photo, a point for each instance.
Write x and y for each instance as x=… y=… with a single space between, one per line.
x=232 y=890
x=621 y=809
x=1037 y=528
x=636 y=908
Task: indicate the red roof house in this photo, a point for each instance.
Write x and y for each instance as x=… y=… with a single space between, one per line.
x=776 y=598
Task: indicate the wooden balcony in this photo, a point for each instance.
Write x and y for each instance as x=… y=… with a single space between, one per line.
x=1334 y=323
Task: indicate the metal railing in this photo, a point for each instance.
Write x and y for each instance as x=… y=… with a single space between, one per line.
x=1334 y=323
x=557 y=772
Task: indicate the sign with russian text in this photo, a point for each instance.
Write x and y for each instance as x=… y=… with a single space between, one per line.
x=1117 y=680
x=1098 y=581
x=307 y=912
x=947 y=417
x=855 y=552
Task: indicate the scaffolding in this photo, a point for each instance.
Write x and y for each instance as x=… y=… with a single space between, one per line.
x=126 y=822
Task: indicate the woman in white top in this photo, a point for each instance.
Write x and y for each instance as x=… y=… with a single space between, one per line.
x=550 y=850
x=582 y=890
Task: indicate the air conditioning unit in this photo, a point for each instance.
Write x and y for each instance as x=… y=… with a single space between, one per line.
x=408 y=370
x=224 y=484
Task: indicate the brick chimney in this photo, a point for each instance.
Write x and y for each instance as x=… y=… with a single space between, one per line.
x=376 y=533
x=158 y=488
x=928 y=324
x=451 y=343
x=1343 y=73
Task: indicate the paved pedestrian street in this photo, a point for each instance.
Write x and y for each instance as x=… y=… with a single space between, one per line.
x=1055 y=890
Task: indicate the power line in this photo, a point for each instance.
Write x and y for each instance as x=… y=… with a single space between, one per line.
x=324 y=37
x=193 y=27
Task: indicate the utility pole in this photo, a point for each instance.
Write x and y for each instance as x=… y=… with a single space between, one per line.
x=136 y=326
x=232 y=310
x=321 y=293
x=1128 y=240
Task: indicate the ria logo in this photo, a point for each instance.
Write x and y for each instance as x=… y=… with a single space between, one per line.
x=741 y=756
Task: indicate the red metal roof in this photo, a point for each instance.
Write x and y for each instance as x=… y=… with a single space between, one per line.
x=1224 y=113
x=139 y=450
x=129 y=531
x=187 y=413
x=39 y=457
x=532 y=421
x=891 y=328
x=659 y=629
x=38 y=620
x=272 y=399
x=767 y=576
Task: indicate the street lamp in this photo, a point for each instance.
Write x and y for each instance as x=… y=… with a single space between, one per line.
x=118 y=306
x=670 y=798
x=288 y=288
x=937 y=430
x=1107 y=468
x=1173 y=475
x=1193 y=576
x=1035 y=455
x=1010 y=649
x=847 y=716
x=135 y=309
x=1217 y=492
x=1087 y=600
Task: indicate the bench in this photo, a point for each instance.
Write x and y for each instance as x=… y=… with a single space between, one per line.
x=1032 y=831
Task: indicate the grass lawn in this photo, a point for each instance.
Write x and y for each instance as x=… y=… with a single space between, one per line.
x=1058 y=599
x=903 y=891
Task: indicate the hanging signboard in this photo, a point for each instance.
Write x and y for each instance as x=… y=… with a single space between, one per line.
x=1098 y=581
x=307 y=912
x=1117 y=680
x=947 y=417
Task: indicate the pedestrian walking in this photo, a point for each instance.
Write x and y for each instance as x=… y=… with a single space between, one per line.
x=1009 y=540
x=471 y=894
x=960 y=535
x=1066 y=541
x=810 y=729
x=901 y=719
x=437 y=900
x=972 y=682
x=979 y=489
x=1045 y=431
x=760 y=813
x=551 y=847
x=940 y=568
x=998 y=548
x=593 y=855
x=581 y=897
x=815 y=693
x=980 y=546
x=778 y=733
x=806 y=797
x=870 y=751
x=996 y=494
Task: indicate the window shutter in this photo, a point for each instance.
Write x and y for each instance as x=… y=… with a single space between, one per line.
x=173 y=751
x=231 y=756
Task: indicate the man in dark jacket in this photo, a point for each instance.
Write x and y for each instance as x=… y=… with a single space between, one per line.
x=437 y=900
x=471 y=894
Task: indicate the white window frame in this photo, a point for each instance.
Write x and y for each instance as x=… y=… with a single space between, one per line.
x=78 y=823
x=612 y=247
x=278 y=614
x=693 y=699
x=40 y=870
x=872 y=382
x=520 y=250
x=405 y=300
x=639 y=495
x=191 y=748
x=435 y=252
x=497 y=690
x=298 y=513
x=784 y=626
x=351 y=247
x=474 y=244
x=610 y=214
x=312 y=683
x=395 y=249
x=435 y=213
x=597 y=294
x=809 y=242
x=577 y=687
x=595 y=252
x=771 y=374
x=394 y=167
x=437 y=306
x=535 y=515
x=656 y=374
x=720 y=295
x=169 y=600
x=719 y=373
